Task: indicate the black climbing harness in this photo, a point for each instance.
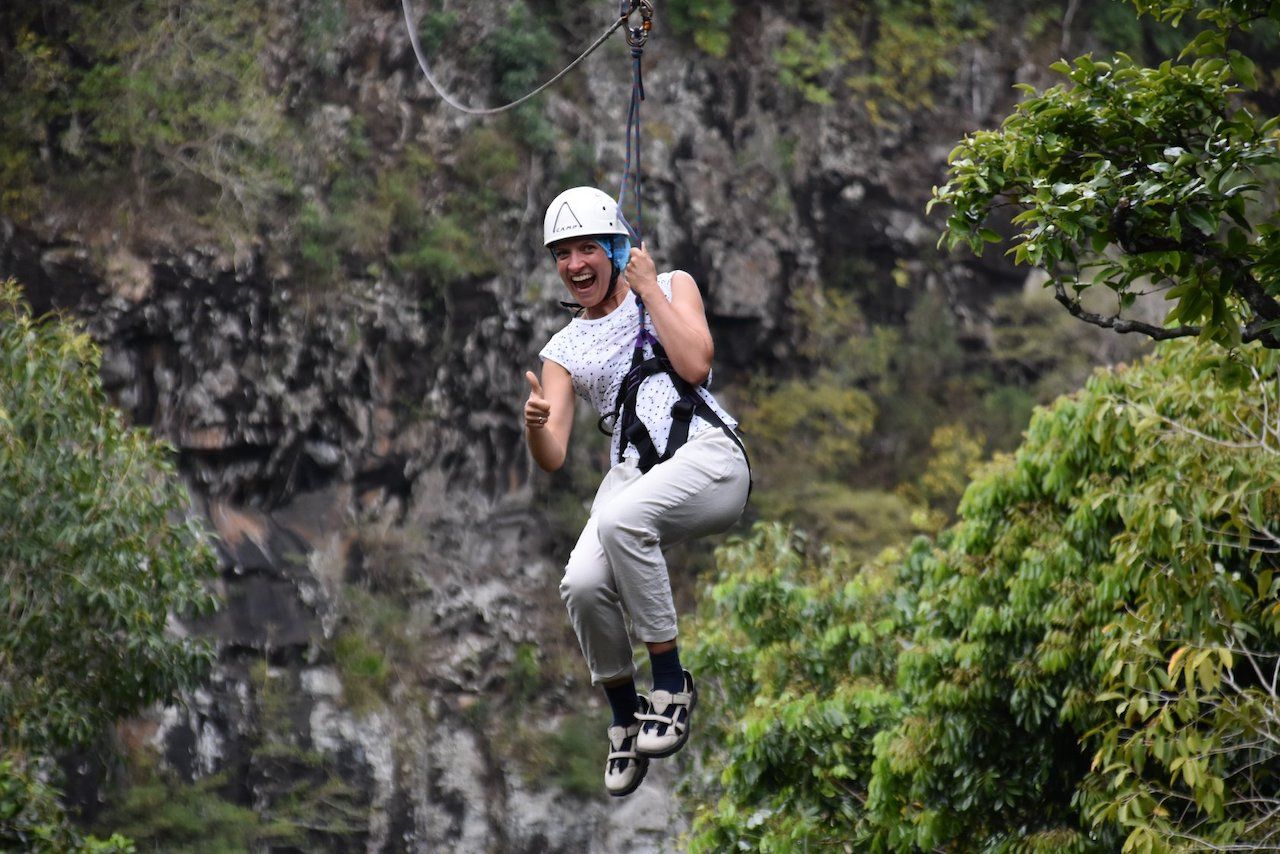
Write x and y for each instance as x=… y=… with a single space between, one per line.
x=625 y=418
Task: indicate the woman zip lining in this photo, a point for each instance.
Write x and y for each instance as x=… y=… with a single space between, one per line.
x=639 y=350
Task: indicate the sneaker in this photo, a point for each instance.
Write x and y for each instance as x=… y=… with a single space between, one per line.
x=664 y=728
x=624 y=770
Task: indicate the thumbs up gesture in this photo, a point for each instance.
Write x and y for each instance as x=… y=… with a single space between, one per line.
x=536 y=409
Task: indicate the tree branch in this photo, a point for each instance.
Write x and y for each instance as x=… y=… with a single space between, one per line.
x=1261 y=329
x=1234 y=273
x=1118 y=323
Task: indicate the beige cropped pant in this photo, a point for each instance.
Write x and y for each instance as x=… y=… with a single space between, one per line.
x=617 y=568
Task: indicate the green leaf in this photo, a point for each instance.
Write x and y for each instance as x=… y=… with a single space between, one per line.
x=1203 y=220
x=1243 y=68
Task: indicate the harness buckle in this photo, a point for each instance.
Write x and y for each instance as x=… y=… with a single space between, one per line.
x=682 y=410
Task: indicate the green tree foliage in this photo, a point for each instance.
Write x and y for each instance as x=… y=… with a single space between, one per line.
x=1190 y=756
x=94 y=547
x=1085 y=661
x=96 y=553
x=1139 y=179
x=802 y=647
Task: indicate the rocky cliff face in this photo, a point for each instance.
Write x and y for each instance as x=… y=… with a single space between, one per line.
x=391 y=620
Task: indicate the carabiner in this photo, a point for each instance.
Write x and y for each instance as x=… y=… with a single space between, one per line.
x=612 y=418
x=637 y=36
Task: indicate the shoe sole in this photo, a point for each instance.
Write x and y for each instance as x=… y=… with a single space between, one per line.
x=635 y=784
x=684 y=736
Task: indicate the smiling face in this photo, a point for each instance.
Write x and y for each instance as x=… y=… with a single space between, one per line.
x=585 y=268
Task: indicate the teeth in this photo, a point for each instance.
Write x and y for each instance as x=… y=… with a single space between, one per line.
x=584 y=277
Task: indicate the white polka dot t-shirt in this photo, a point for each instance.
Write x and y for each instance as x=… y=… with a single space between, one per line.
x=597 y=355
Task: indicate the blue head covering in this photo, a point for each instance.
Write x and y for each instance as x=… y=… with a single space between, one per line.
x=617 y=247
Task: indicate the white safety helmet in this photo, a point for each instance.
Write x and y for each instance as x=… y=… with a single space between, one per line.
x=581 y=212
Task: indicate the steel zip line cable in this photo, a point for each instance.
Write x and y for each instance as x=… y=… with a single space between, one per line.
x=411 y=25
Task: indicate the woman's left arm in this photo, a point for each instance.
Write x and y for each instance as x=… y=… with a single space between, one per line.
x=681 y=323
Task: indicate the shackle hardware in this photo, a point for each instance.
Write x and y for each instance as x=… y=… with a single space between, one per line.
x=637 y=36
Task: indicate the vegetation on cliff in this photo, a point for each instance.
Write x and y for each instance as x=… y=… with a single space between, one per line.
x=873 y=438
x=209 y=123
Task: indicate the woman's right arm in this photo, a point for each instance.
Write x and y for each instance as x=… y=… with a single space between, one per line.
x=548 y=415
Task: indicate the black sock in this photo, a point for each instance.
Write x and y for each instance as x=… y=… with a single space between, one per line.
x=668 y=675
x=624 y=701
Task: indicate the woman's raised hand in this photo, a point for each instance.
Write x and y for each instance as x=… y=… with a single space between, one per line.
x=548 y=442
x=641 y=274
x=536 y=409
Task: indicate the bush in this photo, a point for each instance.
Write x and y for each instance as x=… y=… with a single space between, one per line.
x=569 y=756
x=889 y=56
x=160 y=813
x=1081 y=662
x=170 y=104
x=707 y=21
x=305 y=799
x=366 y=675
x=33 y=821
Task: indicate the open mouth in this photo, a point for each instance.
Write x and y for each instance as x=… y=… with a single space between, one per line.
x=584 y=282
